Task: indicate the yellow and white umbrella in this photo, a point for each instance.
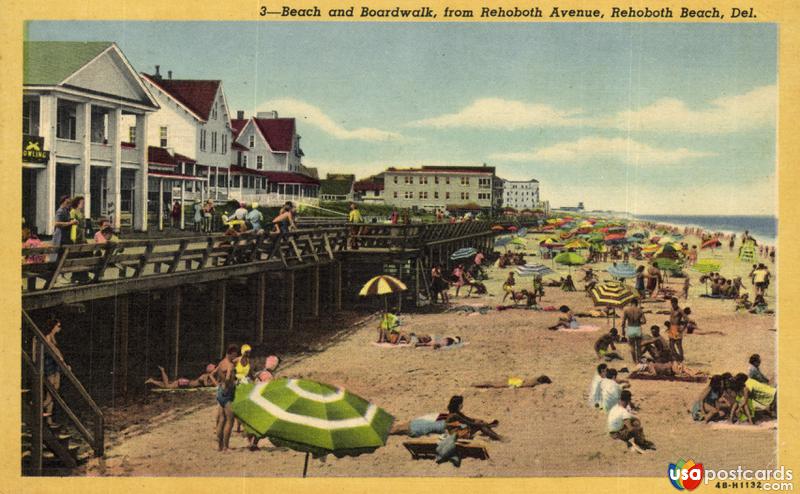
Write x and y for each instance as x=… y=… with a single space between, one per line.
x=383 y=285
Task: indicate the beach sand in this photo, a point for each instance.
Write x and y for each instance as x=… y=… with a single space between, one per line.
x=550 y=430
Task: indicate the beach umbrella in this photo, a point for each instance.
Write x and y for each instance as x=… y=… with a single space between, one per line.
x=383 y=285
x=550 y=241
x=465 y=253
x=569 y=259
x=623 y=270
x=668 y=264
x=650 y=249
x=522 y=232
x=498 y=228
x=512 y=228
x=612 y=294
x=711 y=243
x=577 y=244
x=614 y=237
x=534 y=269
x=519 y=241
x=311 y=417
x=706 y=266
x=502 y=241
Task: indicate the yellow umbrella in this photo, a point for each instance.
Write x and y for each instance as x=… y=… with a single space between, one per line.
x=649 y=249
x=577 y=244
x=383 y=285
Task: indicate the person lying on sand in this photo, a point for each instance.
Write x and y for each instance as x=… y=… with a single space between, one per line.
x=204 y=380
x=420 y=426
x=596 y=313
x=566 y=320
x=515 y=382
x=464 y=427
x=647 y=368
x=625 y=426
x=428 y=340
x=602 y=345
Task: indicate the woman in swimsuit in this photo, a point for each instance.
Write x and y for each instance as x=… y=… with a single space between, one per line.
x=464 y=427
x=204 y=380
x=285 y=220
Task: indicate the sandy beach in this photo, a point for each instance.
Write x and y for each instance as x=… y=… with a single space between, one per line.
x=549 y=430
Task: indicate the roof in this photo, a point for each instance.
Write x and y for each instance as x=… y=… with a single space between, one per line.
x=237 y=146
x=336 y=186
x=160 y=156
x=185 y=159
x=277 y=177
x=196 y=95
x=237 y=124
x=488 y=170
x=48 y=63
x=279 y=132
x=464 y=207
x=531 y=181
x=365 y=185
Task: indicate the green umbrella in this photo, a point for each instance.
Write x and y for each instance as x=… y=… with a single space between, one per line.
x=570 y=259
x=311 y=417
x=706 y=266
x=668 y=263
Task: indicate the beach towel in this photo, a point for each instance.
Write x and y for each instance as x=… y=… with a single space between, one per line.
x=584 y=328
x=688 y=379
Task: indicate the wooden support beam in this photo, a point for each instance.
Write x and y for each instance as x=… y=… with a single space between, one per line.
x=123 y=313
x=261 y=300
x=338 y=287
x=220 y=316
x=315 y=291
x=290 y=301
x=176 y=323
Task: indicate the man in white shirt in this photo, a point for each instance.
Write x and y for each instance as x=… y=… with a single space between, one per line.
x=610 y=390
x=625 y=426
x=595 y=394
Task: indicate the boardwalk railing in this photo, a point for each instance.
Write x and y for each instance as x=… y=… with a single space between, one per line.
x=87 y=264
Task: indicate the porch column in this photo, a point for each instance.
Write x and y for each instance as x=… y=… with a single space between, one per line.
x=183 y=197
x=46 y=179
x=115 y=141
x=142 y=184
x=160 y=204
x=83 y=132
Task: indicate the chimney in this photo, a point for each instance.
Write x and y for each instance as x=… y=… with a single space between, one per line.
x=267 y=114
x=169 y=74
x=157 y=75
x=240 y=115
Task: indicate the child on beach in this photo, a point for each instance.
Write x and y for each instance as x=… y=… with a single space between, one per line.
x=566 y=320
x=508 y=287
x=602 y=345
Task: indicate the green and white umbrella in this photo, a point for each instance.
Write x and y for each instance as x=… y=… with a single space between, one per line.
x=311 y=417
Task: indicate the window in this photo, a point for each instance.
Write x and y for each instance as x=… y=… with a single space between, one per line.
x=244 y=160
x=464 y=180
x=465 y=196
x=224 y=143
x=30 y=117
x=436 y=180
x=66 y=121
x=423 y=180
x=408 y=179
x=395 y=181
x=409 y=194
x=235 y=181
x=214 y=111
x=447 y=195
x=259 y=162
x=435 y=194
x=132 y=135
x=202 y=139
x=447 y=180
x=395 y=192
x=484 y=196
x=162 y=136
x=213 y=142
x=483 y=182
x=423 y=195
x=252 y=141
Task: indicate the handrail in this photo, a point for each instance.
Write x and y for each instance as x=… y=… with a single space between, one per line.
x=95 y=440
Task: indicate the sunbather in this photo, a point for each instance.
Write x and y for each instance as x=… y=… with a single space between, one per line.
x=664 y=369
x=204 y=380
x=566 y=320
x=464 y=427
x=515 y=382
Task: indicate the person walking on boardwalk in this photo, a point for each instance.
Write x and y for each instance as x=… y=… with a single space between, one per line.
x=354 y=218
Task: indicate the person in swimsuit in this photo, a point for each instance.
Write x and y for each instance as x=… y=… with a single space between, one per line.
x=566 y=320
x=242 y=365
x=676 y=329
x=632 y=320
x=508 y=287
x=52 y=371
x=606 y=342
x=204 y=380
x=285 y=220
x=464 y=427
x=711 y=404
x=226 y=379
x=515 y=382
x=656 y=346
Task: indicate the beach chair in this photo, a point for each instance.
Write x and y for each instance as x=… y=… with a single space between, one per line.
x=425 y=448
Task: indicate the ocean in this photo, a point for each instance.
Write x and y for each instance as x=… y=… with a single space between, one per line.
x=763 y=228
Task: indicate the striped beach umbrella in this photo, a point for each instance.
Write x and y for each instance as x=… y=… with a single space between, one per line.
x=383 y=285
x=612 y=294
x=623 y=270
x=534 y=269
x=311 y=417
x=706 y=266
x=465 y=253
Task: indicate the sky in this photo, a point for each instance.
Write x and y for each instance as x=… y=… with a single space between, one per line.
x=647 y=118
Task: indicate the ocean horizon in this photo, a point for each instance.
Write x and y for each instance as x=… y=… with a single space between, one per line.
x=762 y=227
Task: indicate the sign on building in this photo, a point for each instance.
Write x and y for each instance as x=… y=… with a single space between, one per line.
x=33 y=149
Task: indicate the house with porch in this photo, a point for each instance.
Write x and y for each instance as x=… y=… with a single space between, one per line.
x=337 y=187
x=75 y=98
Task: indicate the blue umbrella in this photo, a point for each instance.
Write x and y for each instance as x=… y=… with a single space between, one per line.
x=534 y=269
x=464 y=253
x=624 y=270
x=522 y=232
x=502 y=241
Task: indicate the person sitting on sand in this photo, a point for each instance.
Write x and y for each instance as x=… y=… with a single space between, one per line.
x=754 y=372
x=743 y=303
x=566 y=320
x=610 y=389
x=567 y=284
x=760 y=306
x=656 y=346
x=464 y=427
x=204 y=380
x=711 y=403
x=602 y=345
x=515 y=382
x=508 y=287
x=752 y=396
x=595 y=393
x=387 y=326
x=625 y=426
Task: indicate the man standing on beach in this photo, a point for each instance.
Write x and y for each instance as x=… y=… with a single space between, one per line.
x=632 y=320
x=676 y=329
x=226 y=377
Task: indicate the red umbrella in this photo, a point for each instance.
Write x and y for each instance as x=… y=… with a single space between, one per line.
x=548 y=228
x=512 y=228
x=714 y=242
x=614 y=236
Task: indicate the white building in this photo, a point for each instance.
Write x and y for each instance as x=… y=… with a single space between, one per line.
x=521 y=194
x=75 y=98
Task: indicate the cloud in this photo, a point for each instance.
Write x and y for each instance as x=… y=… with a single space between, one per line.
x=499 y=113
x=316 y=117
x=727 y=114
x=593 y=149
